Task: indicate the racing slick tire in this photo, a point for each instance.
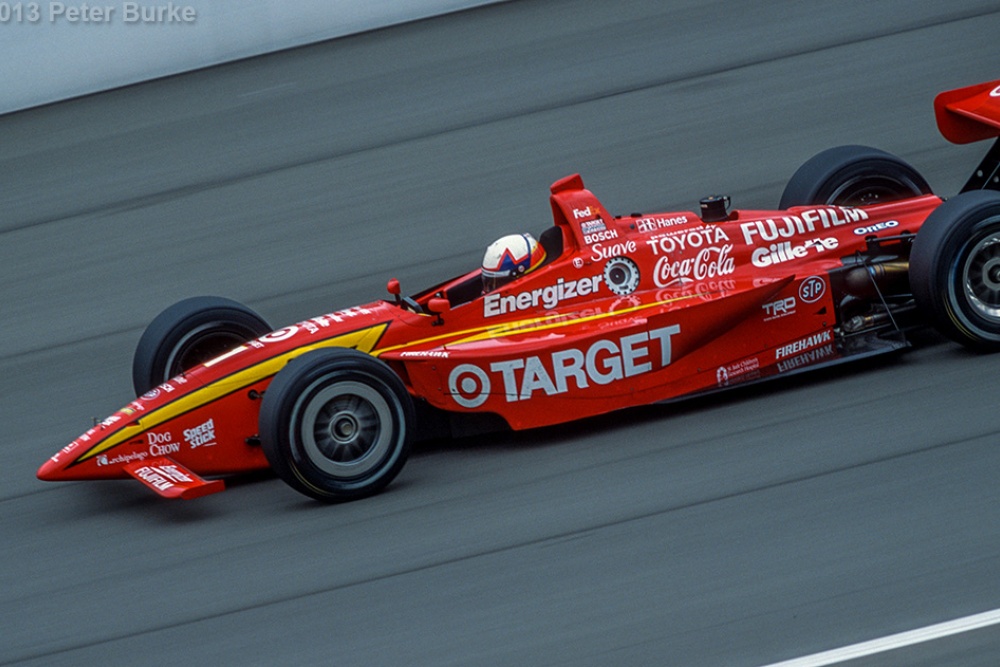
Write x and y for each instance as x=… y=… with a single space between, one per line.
x=190 y=332
x=852 y=176
x=955 y=269
x=336 y=425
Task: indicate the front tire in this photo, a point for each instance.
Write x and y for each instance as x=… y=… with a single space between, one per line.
x=955 y=269
x=336 y=425
x=188 y=333
x=852 y=176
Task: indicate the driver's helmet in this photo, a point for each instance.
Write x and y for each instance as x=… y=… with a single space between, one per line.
x=509 y=257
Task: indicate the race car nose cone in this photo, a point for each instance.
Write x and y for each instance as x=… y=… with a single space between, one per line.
x=51 y=471
x=59 y=467
x=65 y=466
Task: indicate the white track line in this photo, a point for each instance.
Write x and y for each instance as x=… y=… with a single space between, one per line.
x=892 y=642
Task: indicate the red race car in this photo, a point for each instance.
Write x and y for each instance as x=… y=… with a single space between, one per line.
x=602 y=312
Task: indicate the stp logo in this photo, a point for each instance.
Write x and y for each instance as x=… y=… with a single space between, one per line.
x=812 y=289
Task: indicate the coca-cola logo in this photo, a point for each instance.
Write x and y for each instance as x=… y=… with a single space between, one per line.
x=709 y=263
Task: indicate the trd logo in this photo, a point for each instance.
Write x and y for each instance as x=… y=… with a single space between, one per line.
x=779 y=308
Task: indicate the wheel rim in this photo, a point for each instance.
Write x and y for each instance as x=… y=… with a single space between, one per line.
x=981 y=277
x=867 y=190
x=346 y=429
x=202 y=344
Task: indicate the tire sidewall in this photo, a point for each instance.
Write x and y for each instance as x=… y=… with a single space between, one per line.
x=821 y=178
x=289 y=395
x=937 y=265
x=180 y=325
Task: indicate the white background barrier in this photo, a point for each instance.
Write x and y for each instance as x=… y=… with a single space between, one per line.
x=51 y=50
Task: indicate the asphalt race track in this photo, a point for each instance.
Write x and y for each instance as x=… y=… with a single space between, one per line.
x=741 y=530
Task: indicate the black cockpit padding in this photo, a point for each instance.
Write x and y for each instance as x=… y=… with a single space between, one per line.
x=552 y=241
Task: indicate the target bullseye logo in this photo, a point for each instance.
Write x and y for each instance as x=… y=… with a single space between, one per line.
x=469 y=385
x=279 y=335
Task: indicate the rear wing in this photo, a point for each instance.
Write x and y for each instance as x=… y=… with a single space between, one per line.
x=972 y=114
x=969 y=114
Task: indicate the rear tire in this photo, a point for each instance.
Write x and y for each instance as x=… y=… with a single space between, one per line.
x=336 y=425
x=852 y=176
x=955 y=269
x=188 y=333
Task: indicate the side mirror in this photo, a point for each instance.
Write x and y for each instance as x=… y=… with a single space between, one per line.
x=393 y=287
x=438 y=306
